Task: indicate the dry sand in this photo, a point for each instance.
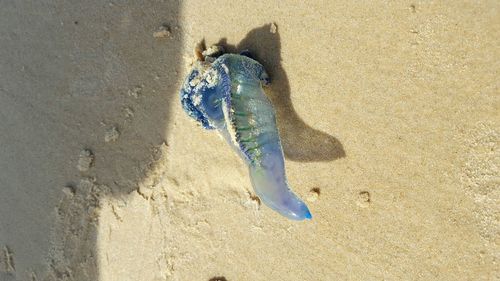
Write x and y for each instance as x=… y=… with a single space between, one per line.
x=389 y=114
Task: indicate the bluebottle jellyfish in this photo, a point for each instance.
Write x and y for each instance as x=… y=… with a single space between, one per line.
x=224 y=92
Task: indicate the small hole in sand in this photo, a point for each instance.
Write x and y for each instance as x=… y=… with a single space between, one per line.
x=252 y=201
x=75 y=22
x=364 y=199
x=255 y=198
x=314 y=194
x=218 y=278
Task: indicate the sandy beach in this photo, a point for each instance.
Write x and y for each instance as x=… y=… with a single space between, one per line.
x=388 y=114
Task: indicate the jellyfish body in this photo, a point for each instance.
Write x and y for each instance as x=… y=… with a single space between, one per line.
x=225 y=93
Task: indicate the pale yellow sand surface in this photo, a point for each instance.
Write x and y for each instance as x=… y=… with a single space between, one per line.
x=388 y=111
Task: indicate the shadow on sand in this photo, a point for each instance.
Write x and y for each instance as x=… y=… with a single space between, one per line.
x=300 y=141
x=105 y=70
x=73 y=70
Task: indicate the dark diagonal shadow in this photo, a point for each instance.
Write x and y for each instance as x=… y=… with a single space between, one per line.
x=71 y=72
x=300 y=141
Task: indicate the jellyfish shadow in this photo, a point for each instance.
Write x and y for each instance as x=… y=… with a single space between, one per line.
x=300 y=141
